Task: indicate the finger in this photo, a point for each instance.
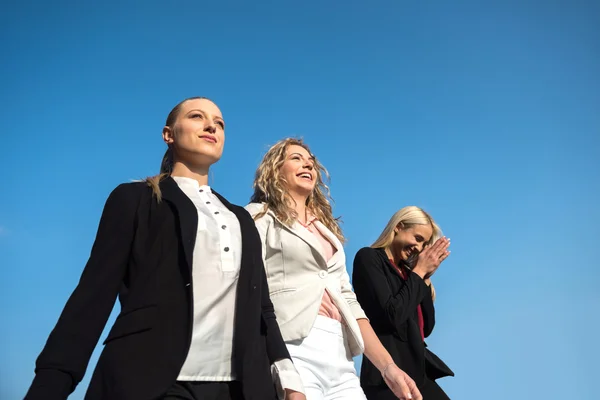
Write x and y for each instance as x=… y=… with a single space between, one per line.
x=414 y=390
x=437 y=244
x=437 y=253
x=395 y=387
x=442 y=254
x=403 y=388
x=440 y=244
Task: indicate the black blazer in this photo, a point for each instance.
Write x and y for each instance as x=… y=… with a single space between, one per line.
x=143 y=253
x=390 y=303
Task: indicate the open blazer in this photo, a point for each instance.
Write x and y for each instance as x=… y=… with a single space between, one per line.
x=143 y=253
x=298 y=275
x=391 y=303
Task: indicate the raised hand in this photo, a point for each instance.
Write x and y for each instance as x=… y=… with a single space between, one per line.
x=431 y=258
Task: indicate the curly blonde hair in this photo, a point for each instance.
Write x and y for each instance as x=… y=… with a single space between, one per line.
x=270 y=188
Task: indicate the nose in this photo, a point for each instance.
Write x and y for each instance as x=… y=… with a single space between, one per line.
x=308 y=165
x=209 y=126
x=419 y=247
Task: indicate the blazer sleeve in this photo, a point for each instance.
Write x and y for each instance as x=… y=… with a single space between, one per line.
x=428 y=310
x=276 y=348
x=350 y=296
x=63 y=361
x=371 y=283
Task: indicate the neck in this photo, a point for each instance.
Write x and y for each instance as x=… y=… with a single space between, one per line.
x=299 y=205
x=199 y=173
x=391 y=255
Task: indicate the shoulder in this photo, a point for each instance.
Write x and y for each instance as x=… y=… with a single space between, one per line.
x=128 y=192
x=257 y=208
x=367 y=254
x=254 y=208
x=264 y=222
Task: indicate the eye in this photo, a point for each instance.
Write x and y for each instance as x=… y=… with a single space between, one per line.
x=419 y=238
x=197 y=115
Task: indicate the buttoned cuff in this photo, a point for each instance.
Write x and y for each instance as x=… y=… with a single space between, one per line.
x=286 y=376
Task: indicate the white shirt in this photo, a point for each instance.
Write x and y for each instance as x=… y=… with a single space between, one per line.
x=215 y=270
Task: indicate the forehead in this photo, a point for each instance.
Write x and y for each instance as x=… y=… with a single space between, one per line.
x=426 y=231
x=294 y=148
x=201 y=104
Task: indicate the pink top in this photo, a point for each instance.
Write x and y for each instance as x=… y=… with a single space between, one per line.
x=328 y=308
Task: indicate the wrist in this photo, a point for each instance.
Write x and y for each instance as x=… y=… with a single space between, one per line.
x=386 y=368
x=419 y=271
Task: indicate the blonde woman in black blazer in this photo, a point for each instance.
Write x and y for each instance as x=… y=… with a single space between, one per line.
x=159 y=249
x=392 y=283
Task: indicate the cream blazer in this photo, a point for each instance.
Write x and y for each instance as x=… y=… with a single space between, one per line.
x=298 y=275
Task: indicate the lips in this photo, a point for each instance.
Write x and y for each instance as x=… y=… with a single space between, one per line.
x=305 y=175
x=209 y=138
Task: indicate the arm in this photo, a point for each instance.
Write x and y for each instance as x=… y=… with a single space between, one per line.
x=350 y=296
x=64 y=359
x=370 y=281
x=428 y=310
x=397 y=380
x=286 y=377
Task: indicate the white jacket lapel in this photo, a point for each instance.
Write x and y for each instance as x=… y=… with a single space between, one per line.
x=304 y=234
x=339 y=250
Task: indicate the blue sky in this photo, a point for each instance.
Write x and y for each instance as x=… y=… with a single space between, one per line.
x=485 y=113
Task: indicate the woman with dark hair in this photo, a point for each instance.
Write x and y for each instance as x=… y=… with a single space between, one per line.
x=392 y=279
x=196 y=321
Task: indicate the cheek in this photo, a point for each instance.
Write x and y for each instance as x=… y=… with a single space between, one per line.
x=401 y=240
x=287 y=172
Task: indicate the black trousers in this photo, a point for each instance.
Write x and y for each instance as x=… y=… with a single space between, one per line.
x=430 y=391
x=205 y=391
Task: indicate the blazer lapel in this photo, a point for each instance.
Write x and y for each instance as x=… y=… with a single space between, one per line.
x=335 y=242
x=187 y=214
x=303 y=234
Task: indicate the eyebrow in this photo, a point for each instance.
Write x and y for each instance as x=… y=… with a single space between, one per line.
x=310 y=157
x=205 y=113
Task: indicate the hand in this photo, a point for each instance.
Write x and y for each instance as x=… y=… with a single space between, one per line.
x=293 y=395
x=431 y=258
x=402 y=385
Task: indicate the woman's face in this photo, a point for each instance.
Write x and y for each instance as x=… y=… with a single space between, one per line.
x=198 y=134
x=298 y=171
x=409 y=241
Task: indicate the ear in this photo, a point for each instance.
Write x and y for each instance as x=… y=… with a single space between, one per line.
x=168 y=136
x=398 y=227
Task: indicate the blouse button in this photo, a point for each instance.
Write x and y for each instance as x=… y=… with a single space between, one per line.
x=226 y=249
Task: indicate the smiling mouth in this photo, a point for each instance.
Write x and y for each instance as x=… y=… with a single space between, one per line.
x=208 y=138
x=305 y=176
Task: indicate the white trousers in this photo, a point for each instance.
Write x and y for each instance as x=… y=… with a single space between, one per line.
x=325 y=364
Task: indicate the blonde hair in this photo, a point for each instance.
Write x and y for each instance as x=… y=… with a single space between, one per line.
x=166 y=166
x=406 y=218
x=269 y=188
